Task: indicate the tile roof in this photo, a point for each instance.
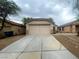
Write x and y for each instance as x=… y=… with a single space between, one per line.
x=70 y=23
x=42 y=19
x=14 y=23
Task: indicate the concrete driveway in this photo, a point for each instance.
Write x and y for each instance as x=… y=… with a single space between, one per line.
x=36 y=47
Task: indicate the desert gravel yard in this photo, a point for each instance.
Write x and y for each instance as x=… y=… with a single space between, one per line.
x=71 y=42
x=7 y=41
x=36 y=47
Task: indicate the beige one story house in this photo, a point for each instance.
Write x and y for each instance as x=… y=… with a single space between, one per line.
x=40 y=26
x=71 y=27
x=12 y=28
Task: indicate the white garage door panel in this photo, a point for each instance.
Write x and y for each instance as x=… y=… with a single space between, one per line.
x=39 y=30
x=44 y=29
x=34 y=30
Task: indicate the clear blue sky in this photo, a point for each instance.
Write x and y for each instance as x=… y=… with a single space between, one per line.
x=59 y=10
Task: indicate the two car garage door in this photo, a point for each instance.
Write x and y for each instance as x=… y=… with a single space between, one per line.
x=39 y=29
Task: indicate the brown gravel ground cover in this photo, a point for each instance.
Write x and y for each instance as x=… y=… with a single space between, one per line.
x=71 y=42
x=7 y=41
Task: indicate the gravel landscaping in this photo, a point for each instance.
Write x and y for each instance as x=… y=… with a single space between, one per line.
x=71 y=42
x=7 y=41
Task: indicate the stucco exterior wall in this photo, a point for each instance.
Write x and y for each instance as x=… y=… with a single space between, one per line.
x=17 y=30
x=39 y=22
x=68 y=29
x=74 y=29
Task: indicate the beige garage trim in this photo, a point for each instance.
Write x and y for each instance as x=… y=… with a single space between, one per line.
x=39 y=29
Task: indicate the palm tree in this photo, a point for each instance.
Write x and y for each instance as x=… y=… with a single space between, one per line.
x=25 y=20
x=7 y=7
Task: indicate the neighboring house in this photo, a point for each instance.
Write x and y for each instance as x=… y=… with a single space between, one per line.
x=40 y=26
x=71 y=27
x=12 y=28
